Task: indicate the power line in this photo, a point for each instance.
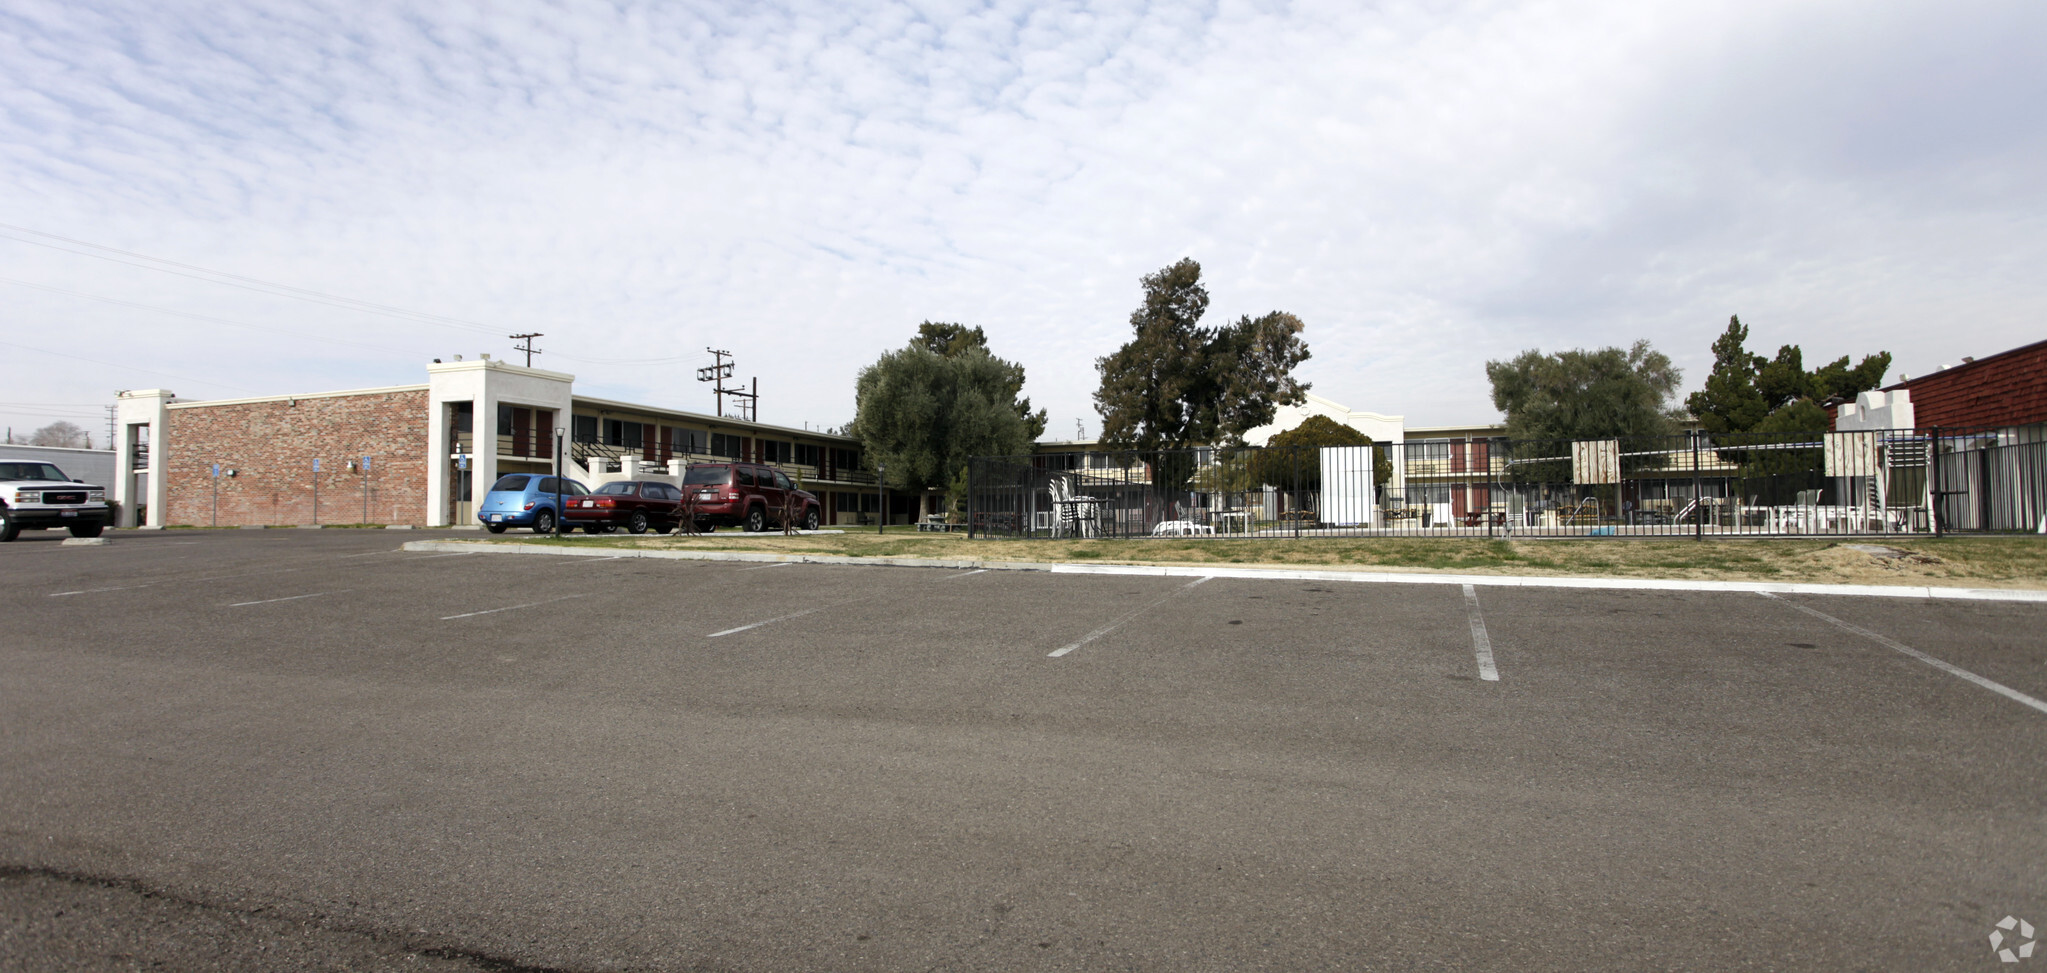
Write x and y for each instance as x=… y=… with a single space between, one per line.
x=145 y=371
x=258 y=285
x=388 y=349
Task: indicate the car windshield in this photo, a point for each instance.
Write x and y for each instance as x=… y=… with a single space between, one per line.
x=512 y=483
x=700 y=475
x=32 y=471
x=615 y=489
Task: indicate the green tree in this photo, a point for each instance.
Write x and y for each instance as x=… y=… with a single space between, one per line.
x=1749 y=393
x=1177 y=384
x=1289 y=460
x=923 y=414
x=956 y=341
x=1604 y=394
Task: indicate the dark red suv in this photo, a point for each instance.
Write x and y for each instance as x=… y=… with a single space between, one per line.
x=747 y=494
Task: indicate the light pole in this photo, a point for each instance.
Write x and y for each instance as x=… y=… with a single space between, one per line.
x=881 y=494
x=558 y=529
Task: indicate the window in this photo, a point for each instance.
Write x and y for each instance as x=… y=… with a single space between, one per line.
x=1418 y=493
x=809 y=455
x=707 y=476
x=548 y=484
x=1429 y=451
x=846 y=459
x=621 y=488
x=584 y=429
x=774 y=452
x=514 y=482
x=744 y=474
x=689 y=440
x=32 y=471
x=725 y=444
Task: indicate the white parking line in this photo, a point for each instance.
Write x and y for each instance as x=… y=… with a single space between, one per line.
x=771 y=621
x=1480 y=643
x=965 y=573
x=430 y=557
x=151 y=584
x=1947 y=667
x=764 y=567
x=87 y=591
x=1118 y=623
x=394 y=550
x=493 y=611
x=268 y=601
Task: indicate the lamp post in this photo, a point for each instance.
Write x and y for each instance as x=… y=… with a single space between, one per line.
x=881 y=495
x=558 y=481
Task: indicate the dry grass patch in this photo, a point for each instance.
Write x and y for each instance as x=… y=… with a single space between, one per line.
x=1998 y=562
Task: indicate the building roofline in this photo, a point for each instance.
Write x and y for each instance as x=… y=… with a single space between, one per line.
x=1952 y=369
x=575 y=400
x=493 y=364
x=294 y=396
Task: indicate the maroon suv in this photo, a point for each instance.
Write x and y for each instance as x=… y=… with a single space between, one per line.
x=747 y=494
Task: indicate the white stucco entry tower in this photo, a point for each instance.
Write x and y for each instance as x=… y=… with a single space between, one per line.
x=139 y=418
x=485 y=385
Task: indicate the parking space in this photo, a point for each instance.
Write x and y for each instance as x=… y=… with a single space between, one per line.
x=584 y=763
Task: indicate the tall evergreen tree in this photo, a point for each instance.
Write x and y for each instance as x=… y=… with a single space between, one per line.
x=1749 y=393
x=1177 y=384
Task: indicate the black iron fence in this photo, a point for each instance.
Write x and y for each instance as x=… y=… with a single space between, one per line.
x=1699 y=485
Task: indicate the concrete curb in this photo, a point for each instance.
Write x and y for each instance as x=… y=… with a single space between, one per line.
x=1266 y=574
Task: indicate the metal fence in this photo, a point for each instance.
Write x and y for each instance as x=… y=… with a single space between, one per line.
x=1697 y=485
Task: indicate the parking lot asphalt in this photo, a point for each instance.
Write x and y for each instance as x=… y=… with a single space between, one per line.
x=310 y=749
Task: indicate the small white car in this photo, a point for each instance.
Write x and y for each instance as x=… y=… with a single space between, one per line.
x=37 y=496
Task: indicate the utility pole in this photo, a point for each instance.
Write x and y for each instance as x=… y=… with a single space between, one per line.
x=721 y=371
x=528 y=346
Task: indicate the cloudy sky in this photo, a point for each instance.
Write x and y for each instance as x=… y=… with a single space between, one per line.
x=1427 y=185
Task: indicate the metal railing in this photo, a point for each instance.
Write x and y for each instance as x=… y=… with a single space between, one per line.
x=1698 y=485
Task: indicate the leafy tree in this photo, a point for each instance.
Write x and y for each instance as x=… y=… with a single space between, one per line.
x=1604 y=394
x=923 y=414
x=1286 y=467
x=1749 y=393
x=60 y=433
x=958 y=340
x=1177 y=384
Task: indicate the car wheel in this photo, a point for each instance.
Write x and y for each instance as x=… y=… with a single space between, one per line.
x=756 y=520
x=9 y=527
x=810 y=519
x=87 y=530
x=543 y=522
x=494 y=528
x=637 y=523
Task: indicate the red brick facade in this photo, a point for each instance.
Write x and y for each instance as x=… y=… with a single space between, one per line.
x=2005 y=389
x=271 y=446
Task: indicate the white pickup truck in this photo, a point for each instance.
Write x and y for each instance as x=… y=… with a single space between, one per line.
x=36 y=496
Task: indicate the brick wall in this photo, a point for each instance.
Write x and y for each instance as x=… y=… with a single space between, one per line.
x=2007 y=389
x=272 y=445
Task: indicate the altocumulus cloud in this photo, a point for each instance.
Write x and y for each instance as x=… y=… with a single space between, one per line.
x=1426 y=185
